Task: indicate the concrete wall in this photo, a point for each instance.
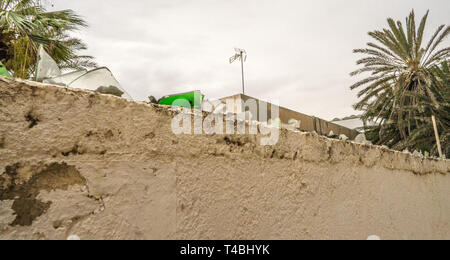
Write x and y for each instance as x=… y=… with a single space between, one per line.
x=80 y=163
x=308 y=123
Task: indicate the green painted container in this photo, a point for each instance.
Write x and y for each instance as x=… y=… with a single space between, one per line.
x=190 y=100
x=3 y=71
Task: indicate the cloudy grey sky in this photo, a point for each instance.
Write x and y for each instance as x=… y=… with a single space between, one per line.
x=300 y=52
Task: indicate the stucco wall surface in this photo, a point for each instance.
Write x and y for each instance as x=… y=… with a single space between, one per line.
x=75 y=162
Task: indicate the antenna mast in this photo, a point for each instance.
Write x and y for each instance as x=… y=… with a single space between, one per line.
x=241 y=55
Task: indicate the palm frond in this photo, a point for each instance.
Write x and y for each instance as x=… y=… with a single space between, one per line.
x=407 y=85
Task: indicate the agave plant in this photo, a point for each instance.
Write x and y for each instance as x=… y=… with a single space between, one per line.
x=25 y=24
x=407 y=85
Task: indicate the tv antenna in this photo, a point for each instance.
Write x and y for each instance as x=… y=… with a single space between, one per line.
x=241 y=55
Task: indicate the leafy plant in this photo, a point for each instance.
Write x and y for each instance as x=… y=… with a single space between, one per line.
x=408 y=83
x=25 y=24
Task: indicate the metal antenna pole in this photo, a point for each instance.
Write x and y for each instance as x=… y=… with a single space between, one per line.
x=242 y=65
x=239 y=54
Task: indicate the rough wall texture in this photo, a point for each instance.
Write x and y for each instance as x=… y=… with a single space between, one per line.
x=74 y=162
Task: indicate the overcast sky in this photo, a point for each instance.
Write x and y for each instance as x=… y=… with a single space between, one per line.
x=299 y=52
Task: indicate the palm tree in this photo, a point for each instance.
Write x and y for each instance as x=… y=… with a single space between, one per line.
x=407 y=84
x=25 y=24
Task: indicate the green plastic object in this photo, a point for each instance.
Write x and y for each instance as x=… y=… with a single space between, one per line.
x=190 y=100
x=3 y=71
